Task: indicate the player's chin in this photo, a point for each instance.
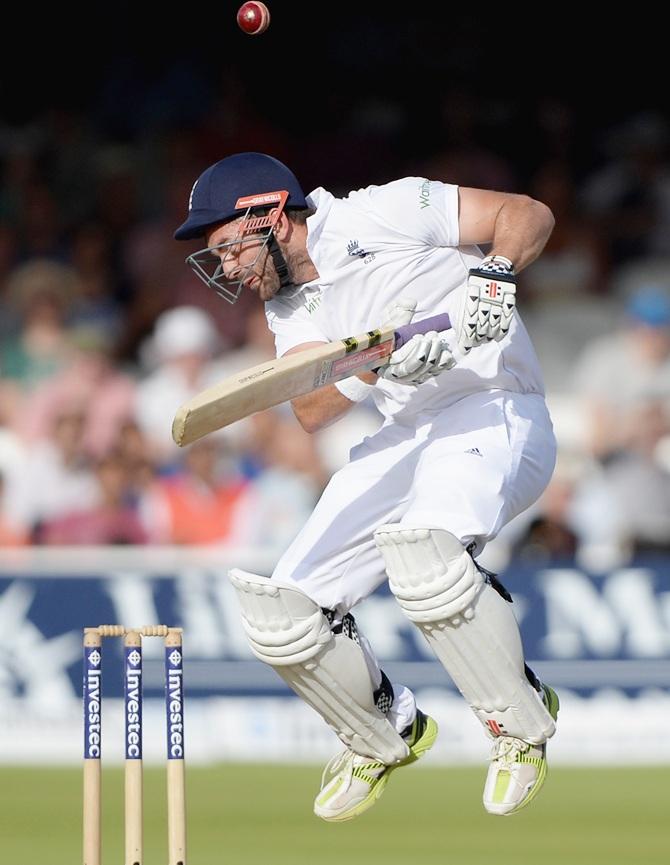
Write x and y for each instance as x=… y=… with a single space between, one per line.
x=265 y=292
x=252 y=283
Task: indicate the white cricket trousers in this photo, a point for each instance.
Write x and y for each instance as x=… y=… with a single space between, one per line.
x=468 y=469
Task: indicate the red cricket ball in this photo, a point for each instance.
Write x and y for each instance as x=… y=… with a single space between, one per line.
x=253 y=18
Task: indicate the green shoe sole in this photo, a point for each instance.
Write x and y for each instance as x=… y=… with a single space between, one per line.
x=424 y=743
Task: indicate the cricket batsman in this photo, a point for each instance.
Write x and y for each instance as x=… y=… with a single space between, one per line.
x=465 y=445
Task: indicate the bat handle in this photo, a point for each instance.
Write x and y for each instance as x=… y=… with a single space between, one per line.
x=407 y=331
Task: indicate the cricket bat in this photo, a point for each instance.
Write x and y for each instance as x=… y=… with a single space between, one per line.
x=275 y=381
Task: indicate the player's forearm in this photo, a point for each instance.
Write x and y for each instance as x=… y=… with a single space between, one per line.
x=320 y=408
x=522 y=228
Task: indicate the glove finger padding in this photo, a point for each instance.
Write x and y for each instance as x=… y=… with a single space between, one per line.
x=423 y=357
x=410 y=357
x=508 y=307
x=435 y=351
x=446 y=359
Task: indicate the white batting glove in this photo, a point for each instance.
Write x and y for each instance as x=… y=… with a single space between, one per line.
x=424 y=356
x=490 y=301
x=399 y=312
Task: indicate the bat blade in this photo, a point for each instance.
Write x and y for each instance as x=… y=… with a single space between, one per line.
x=276 y=381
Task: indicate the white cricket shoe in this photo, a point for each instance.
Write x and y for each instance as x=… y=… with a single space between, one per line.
x=518 y=769
x=351 y=784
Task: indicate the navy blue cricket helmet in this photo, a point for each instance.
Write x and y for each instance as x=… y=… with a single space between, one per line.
x=216 y=192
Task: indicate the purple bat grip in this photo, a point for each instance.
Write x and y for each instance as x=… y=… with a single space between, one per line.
x=407 y=331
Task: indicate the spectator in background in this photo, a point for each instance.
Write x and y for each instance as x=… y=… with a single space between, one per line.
x=619 y=375
x=622 y=508
x=10 y=535
x=134 y=449
x=112 y=520
x=638 y=484
x=55 y=479
x=12 y=449
x=197 y=505
x=182 y=350
x=623 y=504
x=90 y=383
x=36 y=303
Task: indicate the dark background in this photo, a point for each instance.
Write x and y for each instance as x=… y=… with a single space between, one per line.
x=324 y=70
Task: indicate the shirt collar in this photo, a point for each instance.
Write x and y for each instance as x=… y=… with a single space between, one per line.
x=323 y=201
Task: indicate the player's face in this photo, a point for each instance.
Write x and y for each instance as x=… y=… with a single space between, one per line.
x=245 y=259
x=233 y=261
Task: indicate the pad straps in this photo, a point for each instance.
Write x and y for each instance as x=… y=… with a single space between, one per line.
x=384 y=694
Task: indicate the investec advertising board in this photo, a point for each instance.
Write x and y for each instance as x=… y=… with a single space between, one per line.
x=602 y=640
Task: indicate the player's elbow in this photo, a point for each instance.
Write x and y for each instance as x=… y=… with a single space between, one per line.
x=309 y=419
x=310 y=425
x=542 y=214
x=320 y=408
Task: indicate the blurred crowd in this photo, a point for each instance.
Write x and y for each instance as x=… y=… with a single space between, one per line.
x=104 y=330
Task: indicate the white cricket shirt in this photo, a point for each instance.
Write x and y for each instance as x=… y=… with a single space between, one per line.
x=383 y=243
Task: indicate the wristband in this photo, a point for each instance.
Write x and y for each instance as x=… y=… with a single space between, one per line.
x=353 y=388
x=496 y=264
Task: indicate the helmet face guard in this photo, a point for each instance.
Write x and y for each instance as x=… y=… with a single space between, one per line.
x=210 y=264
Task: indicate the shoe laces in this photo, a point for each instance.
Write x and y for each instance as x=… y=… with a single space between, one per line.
x=344 y=764
x=507 y=749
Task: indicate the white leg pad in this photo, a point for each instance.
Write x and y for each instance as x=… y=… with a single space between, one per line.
x=471 y=629
x=288 y=630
